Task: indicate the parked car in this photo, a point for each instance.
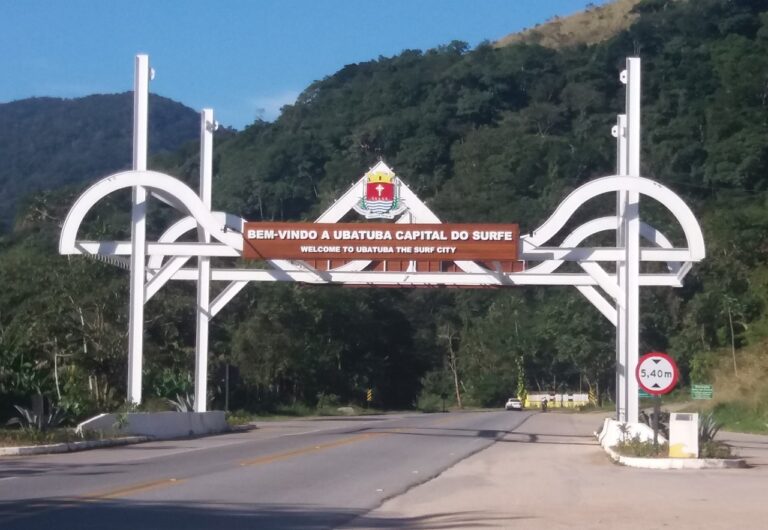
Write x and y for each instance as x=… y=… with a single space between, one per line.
x=514 y=404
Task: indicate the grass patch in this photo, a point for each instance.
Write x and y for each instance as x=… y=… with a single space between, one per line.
x=21 y=437
x=739 y=416
x=740 y=393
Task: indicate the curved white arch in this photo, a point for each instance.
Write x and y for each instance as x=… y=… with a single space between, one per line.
x=601 y=224
x=614 y=183
x=187 y=224
x=152 y=180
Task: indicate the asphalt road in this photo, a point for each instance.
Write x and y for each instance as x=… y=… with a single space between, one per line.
x=307 y=474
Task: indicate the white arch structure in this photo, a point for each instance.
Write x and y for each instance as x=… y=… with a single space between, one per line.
x=613 y=291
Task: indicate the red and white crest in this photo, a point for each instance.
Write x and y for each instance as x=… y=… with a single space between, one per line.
x=381 y=194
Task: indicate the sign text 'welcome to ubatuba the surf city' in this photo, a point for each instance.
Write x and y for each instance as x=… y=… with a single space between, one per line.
x=380 y=241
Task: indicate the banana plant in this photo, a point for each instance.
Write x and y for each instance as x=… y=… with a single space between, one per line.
x=30 y=421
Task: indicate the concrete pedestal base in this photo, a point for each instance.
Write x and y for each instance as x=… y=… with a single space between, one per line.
x=160 y=425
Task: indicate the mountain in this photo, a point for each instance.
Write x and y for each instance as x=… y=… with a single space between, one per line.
x=47 y=143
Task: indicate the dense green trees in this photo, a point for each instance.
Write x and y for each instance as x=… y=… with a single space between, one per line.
x=490 y=134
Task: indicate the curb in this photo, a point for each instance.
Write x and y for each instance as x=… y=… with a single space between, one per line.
x=68 y=447
x=676 y=463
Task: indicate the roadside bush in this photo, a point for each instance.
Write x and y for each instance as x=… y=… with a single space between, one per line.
x=28 y=420
x=429 y=402
x=713 y=449
x=182 y=403
x=239 y=417
x=641 y=448
x=296 y=409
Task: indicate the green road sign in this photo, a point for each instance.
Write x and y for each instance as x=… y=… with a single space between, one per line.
x=701 y=391
x=643 y=394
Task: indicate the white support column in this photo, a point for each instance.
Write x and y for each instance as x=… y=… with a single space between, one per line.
x=621 y=273
x=138 y=231
x=207 y=127
x=632 y=227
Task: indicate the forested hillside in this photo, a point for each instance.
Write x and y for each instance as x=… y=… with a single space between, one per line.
x=496 y=134
x=46 y=143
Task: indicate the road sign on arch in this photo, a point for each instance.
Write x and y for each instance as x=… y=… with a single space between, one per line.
x=401 y=241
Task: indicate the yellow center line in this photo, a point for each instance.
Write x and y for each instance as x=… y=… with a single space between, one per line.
x=43 y=507
x=268 y=459
x=135 y=488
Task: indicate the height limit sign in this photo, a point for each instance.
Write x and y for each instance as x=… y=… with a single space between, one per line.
x=657 y=373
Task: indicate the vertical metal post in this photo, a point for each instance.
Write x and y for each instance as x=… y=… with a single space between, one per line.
x=632 y=255
x=204 y=265
x=138 y=231
x=226 y=388
x=621 y=271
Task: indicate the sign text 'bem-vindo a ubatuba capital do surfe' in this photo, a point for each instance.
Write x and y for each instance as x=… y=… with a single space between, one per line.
x=418 y=242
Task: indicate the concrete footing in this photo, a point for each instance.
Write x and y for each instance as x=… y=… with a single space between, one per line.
x=158 y=425
x=614 y=431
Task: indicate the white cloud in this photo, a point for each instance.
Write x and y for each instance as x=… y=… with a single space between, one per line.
x=268 y=107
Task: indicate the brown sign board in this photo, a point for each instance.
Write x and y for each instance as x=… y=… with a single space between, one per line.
x=380 y=241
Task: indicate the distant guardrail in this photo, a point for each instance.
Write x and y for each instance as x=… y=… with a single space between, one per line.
x=555 y=400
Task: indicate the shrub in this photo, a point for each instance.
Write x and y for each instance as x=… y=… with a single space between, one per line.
x=708 y=428
x=713 y=449
x=182 y=403
x=239 y=417
x=641 y=448
x=30 y=421
x=429 y=402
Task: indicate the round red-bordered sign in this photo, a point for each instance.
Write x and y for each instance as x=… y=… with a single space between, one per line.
x=657 y=373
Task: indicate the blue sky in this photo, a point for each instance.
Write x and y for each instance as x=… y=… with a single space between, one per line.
x=243 y=58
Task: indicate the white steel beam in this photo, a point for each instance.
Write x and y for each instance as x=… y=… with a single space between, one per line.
x=138 y=231
x=191 y=249
x=207 y=127
x=165 y=273
x=606 y=282
x=622 y=199
x=416 y=278
x=632 y=233
x=176 y=248
x=604 y=254
x=226 y=295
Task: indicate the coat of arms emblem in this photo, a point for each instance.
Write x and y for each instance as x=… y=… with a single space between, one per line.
x=380 y=194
